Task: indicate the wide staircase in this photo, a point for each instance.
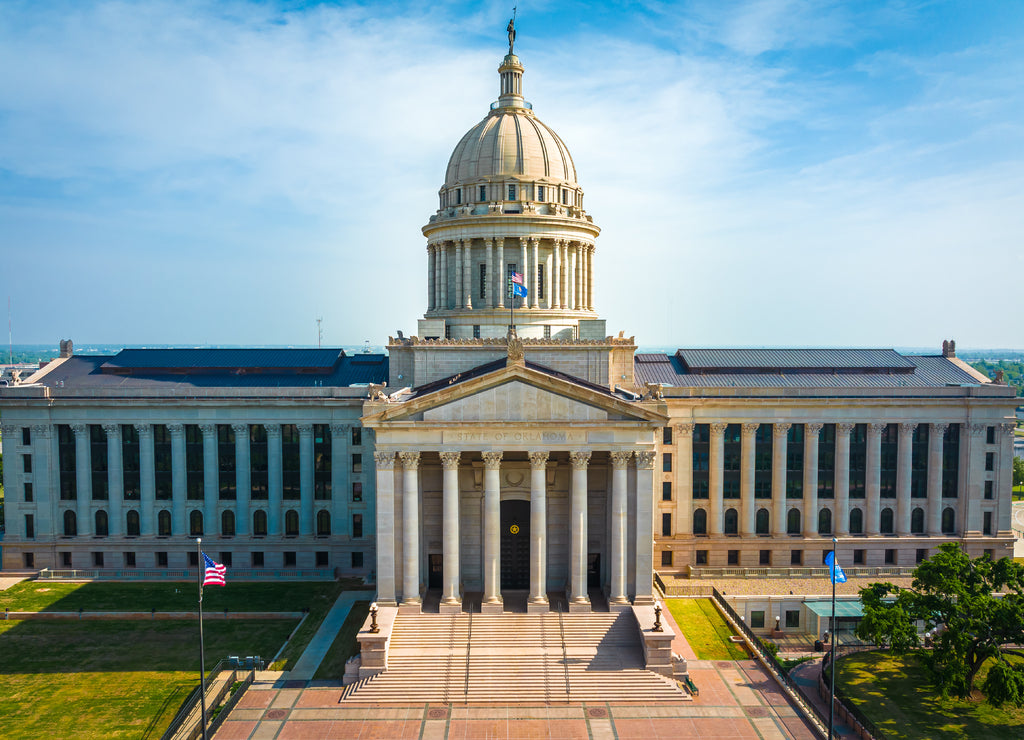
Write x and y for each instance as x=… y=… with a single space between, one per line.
x=511 y=658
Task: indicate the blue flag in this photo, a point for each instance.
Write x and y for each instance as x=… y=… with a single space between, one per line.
x=835 y=569
x=519 y=290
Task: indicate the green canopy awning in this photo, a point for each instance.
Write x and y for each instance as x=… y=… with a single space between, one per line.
x=847 y=608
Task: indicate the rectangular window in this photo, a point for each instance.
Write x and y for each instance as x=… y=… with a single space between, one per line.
x=666 y=490
x=483 y=193
x=666 y=462
x=458 y=196
x=30 y=527
x=193 y=560
x=734 y=557
x=792 y=619
x=511 y=192
x=194 y=479
x=258 y=460
x=919 y=462
x=129 y=560
x=257 y=559
x=987 y=526
x=890 y=556
x=540 y=282
x=666 y=558
x=796 y=557
x=731 y=447
x=763 y=451
x=951 y=461
x=540 y=193
x=757 y=619
x=290 y=461
x=990 y=436
x=322 y=445
x=97 y=560
x=858 y=461
x=130 y=462
x=289 y=559
x=921 y=555
x=65 y=560
x=988 y=490
x=66 y=463
x=357 y=491
x=226 y=481
x=26 y=435
x=357 y=525
x=26 y=463
x=827 y=461
x=511 y=268
x=28 y=493
x=29 y=559
x=666 y=435
x=357 y=559
x=764 y=557
x=476 y=331
x=701 y=557
x=321 y=558
x=357 y=436
x=98 y=461
x=795 y=461
x=357 y=463
x=565 y=197
x=162 y=461
x=858 y=557
x=701 y=453
x=666 y=525
x=990 y=460
x=226 y=559
x=161 y=559
x=483 y=281
x=888 y=463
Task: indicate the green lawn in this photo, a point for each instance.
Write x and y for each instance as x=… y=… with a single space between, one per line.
x=345 y=644
x=705 y=629
x=112 y=679
x=897 y=694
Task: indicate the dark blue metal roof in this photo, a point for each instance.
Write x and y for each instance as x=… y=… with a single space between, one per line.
x=747 y=360
x=191 y=359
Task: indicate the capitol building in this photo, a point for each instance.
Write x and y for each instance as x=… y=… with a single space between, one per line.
x=510 y=443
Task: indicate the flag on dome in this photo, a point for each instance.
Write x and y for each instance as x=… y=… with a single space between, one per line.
x=835 y=570
x=215 y=572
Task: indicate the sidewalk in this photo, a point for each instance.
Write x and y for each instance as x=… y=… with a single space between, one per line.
x=311 y=658
x=805 y=676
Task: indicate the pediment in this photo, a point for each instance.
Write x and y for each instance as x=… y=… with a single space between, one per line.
x=516 y=401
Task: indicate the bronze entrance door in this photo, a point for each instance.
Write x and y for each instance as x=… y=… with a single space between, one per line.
x=515 y=545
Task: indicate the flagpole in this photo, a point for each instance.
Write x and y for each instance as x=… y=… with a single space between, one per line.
x=202 y=660
x=832 y=693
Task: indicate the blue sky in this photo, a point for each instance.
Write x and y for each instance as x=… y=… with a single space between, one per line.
x=772 y=172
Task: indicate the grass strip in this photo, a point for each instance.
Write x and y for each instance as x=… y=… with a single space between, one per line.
x=345 y=644
x=705 y=629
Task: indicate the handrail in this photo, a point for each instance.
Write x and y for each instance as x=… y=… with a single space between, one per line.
x=844 y=700
x=448 y=666
x=469 y=647
x=565 y=653
x=659 y=584
x=231 y=702
x=189 y=704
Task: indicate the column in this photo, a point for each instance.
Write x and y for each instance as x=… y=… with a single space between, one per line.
x=580 y=459
x=533 y=278
x=549 y=294
x=443 y=255
x=780 y=446
x=115 y=478
x=431 y=278
x=571 y=277
x=492 y=531
x=384 y=462
x=748 y=442
x=499 y=273
x=644 y=527
x=811 y=432
x=904 y=463
x=147 y=479
x=457 y=268
x=841 y=519
x=410 y=529
x=525 y=268
x=580 y=298
x=1004 y=480
x=539 y=533
x=873 y=479
x=179 y=517
x=83 y=479
x=716 y=471
x=305 y=479
x=211 y=471
x=590 y=277
x=935 y=439
x=620 y=482
x=243 y=483
x=275 y=479
x=467 y=273
x=683 y=488
x=489 y=300
x=451 y=602
x=45 y=492
x=556 y=277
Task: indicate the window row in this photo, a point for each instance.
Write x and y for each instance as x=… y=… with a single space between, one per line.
x=796 y=557
x=257 y=559
x=487 y=192
x=196 y=525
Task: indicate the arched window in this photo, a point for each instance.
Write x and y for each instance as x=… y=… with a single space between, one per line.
x=227 y=523
x=291 y=523
x=70 y=524
x=948 y=521
x=259 y=523
x=856 y=521
x=917 y=521
x=885 y=523
x=825 y=521
x=732 y=521
x=700 y=521
x=102 y=530
x=163 y=522
x=195 y=523
x=323 y=523
x=793 y=521
x=761 y=521
x=131 y=523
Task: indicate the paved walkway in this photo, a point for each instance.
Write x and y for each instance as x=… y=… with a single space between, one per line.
x=806 y=675
x=7 y=581
x=738 y=701
x=311 y=658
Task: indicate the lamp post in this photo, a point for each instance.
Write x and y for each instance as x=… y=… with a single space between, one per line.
x=657 y=619
x=374 y=628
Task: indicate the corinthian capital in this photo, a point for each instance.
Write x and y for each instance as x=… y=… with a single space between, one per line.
x=384 y=459
x=410 y=460
x=492 y=459
x=877 y=427
x=644 y=459
x=940 y=428
x=80 y=430
x=621 y=459
x=176 y=430
x=751 y=427
x=781 y=430
x=450 y=459
x=210 y=430
x=684 y=430
x=579 y=459
x=908 y=427
x=813 y=429
x=538 y=459
x=718 y=428
x=845 y=428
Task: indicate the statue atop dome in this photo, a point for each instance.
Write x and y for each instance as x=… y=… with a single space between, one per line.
x=511 y=32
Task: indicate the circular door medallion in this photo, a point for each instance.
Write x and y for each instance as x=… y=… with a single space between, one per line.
x=514 y=529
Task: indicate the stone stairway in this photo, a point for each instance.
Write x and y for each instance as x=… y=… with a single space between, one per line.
x=511 y=658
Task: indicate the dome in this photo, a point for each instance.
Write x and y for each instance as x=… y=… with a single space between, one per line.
x=510 y=142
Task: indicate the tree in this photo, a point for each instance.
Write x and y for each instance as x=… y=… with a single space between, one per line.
x=1018 y=471
x=954 y=596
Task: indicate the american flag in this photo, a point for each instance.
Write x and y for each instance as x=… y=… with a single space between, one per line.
x=517 y=277
x=215 y=572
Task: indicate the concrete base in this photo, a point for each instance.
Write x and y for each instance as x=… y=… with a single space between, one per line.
x=538 y=607
x=619 y=606
x=413 y=607
x=580 y=607
x=444 y=608
x=492 y=607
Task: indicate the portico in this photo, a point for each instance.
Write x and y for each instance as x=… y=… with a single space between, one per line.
x=479 y=472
